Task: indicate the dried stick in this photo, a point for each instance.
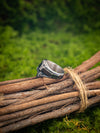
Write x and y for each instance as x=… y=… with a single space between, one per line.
x=15 y=80
x=88 y=63
x=54 y=114
x=26 y=85
x=12 y=98
x=4 y=123
x=89 y=86
x=86 y=77
x=37 y=109
x=93 y=85
x=13 y=108
x=7 y=102
x=20 y=95
x=29 y=84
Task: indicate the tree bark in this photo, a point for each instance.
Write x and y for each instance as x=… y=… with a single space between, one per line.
x=37 y=109
x=54 y=114
x=14 y=108
x=86 y=77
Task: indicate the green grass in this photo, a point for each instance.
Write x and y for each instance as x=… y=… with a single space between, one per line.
x=20 y=56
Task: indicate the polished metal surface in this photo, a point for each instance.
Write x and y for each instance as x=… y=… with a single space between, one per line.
x=49 y=69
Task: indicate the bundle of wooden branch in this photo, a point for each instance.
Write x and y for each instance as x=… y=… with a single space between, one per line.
x=28 y=101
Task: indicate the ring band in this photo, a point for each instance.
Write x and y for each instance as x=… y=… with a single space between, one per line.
x=49 y=69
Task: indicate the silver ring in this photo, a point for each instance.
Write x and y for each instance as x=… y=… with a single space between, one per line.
x=49 y=69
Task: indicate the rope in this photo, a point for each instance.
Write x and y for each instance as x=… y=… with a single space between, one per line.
x=81 y=88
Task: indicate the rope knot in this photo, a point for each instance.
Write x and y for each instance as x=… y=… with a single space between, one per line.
x=80 y=86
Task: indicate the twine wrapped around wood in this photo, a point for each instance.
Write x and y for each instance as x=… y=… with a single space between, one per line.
x=80 y=86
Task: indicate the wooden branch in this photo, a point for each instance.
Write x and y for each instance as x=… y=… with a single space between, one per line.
x=15 y=81
x=20 y=95
x=93 y=85
x=7 y=102
x=13 y=108
x=4 y=123
x=13 y=98
x=88 y=63
x=35 y=110
x=89 y=86
x=54 y=114
x=26 y=85
x=86 y=76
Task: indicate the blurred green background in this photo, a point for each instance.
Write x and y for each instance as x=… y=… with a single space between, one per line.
x=64 y=31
